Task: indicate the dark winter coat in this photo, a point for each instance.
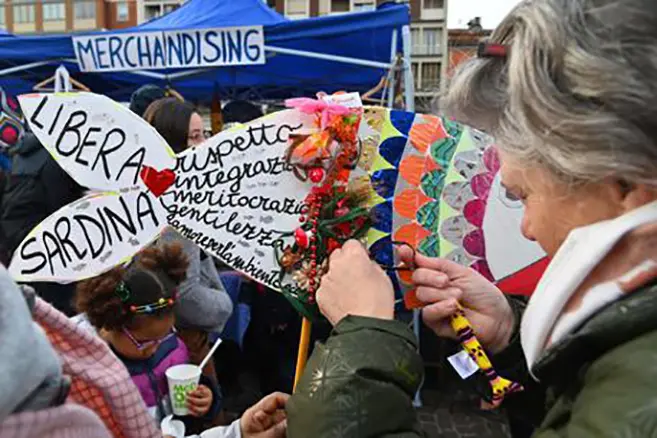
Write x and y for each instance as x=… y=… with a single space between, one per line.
x=599 y=382
x=35 y=188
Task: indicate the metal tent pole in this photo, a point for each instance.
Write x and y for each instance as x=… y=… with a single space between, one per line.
x=327 y=57
x=409 y=97
x=18 y=68
x=149 y=74
x=393 y=61
x=409 y=86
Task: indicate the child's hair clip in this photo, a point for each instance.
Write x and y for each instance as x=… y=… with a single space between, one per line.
x=162 y=303
x=122 y=291
x=491 y=50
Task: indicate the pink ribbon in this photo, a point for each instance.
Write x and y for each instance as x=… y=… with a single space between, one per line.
x=318 y=106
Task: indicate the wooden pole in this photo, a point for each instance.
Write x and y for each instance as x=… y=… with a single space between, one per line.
x=302 y=355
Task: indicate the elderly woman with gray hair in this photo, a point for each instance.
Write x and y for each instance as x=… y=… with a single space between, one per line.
x=569 y=90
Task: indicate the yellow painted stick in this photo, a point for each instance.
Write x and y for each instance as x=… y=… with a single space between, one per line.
x=302 y=355
x=500 y=386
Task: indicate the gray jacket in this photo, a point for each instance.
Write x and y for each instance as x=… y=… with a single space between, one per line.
x=30 y=372
x=202 y=300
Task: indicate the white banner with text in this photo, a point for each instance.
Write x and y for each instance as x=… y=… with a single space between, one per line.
x=175 y=49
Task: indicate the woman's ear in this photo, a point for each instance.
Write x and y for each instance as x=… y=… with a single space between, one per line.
x=633 y=196
x=625 y=187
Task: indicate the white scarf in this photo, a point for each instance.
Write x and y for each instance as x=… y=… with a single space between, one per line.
x=543 y=323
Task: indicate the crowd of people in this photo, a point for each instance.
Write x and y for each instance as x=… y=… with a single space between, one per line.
x=567 y=88
x=174 y=270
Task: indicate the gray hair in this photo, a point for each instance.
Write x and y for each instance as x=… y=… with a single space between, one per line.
x=576 y=93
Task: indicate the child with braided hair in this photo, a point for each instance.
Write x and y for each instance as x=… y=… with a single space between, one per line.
x=132 y=309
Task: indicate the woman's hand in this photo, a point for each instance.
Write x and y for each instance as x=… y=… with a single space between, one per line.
x=266 y=419
x=441 y=284
x=199 y=401
x=355 y=285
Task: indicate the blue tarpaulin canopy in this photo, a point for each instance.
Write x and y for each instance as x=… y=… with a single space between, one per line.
x=201 y=14
x=344 y=52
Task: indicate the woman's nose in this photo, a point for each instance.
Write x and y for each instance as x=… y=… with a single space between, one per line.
x=526 y=228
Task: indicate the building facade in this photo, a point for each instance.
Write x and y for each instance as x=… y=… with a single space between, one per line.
x=463 y=44
x=429 y=53
x=149 y=9
x=428 y=27
x=428 y=31
x=57 y=16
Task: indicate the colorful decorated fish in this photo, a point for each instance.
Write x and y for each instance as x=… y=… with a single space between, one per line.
x=448 y=202
x=345 y=172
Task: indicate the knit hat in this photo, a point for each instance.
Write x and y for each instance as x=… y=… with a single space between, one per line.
x=240 y=111
x=144 y=96
x=12 y=123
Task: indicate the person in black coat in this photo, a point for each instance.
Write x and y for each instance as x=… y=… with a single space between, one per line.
x=35 y=188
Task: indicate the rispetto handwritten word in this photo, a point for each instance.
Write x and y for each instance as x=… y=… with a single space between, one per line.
x=177 y=49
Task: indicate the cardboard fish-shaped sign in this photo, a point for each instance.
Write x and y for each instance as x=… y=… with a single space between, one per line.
x=274 y=197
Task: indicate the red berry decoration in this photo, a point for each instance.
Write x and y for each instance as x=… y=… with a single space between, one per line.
x=316 y=174
x=301 y=238
x=332 y=245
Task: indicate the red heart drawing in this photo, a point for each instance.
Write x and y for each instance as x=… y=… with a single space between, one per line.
x=157 y=181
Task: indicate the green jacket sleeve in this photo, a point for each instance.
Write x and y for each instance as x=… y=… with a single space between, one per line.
x=359 y=384
x=618 y=397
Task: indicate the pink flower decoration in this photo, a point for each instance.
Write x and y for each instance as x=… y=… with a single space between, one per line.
x=317 y=106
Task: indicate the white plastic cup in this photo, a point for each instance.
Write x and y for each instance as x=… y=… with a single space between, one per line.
x=182 y=380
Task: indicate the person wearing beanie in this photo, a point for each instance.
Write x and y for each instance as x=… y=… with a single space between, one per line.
x=144 y=96
x=240 y=111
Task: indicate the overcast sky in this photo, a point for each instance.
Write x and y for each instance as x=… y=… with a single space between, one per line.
x=491 y=12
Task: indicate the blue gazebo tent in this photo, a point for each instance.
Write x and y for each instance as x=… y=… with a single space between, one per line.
x=203 y=14
x=345 y=52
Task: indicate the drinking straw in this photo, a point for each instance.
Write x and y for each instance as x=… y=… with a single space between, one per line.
x=210 y=353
